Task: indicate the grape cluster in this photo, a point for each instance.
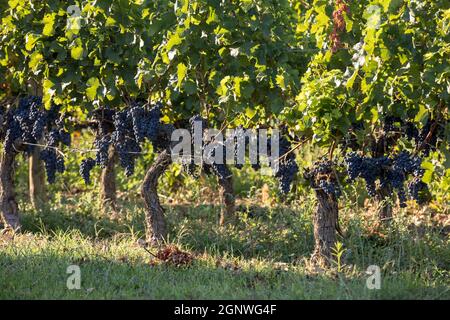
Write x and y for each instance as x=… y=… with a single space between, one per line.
x=104 y=120
x=28 y=124
x=390 y=172
x=220 y=170
x=285 y=171
x=25 y=123
x=124 y=140
x=102 y=144
x=322 y=177
x=53 y=160
x=53 y=163
x=404 y=165
x=85 y=169
x=146 y=122
x=369 y=169
x=287 y=167
x=125 y=130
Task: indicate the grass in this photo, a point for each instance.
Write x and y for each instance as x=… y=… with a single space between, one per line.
x=265 y=255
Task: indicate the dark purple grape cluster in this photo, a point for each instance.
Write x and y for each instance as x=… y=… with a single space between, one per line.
x=125 y=130
x=85 y=169
x=54 y=160
x=59 y=135
x=390 y=172
x=146 y=121
x=323 y=177
x=124 y=140
x=29 y=124
x=369 y=169
x=104 y=118
x=102 y=144
x=132 y=126
x=53 y=163
x=408 y=163
x=220 y=170
x=287 y=167
x=404 y=165
x=286 y=173
x=25 y=123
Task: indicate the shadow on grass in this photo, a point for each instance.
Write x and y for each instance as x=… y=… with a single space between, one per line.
x=43 y=275
x=257 y=232
x=277 y=234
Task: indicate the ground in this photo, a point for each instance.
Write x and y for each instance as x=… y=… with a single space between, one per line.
x=264 y=255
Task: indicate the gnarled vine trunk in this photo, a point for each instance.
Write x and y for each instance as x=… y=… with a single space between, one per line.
x=36 y=178
x=384 y=206
x=384 y=193
x=108 y=196
x=227 y=200
x=155 y=221
x=325 y=224
x=8 y=206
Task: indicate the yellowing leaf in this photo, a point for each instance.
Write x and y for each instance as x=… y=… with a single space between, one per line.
x=30 y=41
x=93 y=85
x=250 y=113
x=35 y=58
x=110 y=22
x=212 y=16
x=181 y=73
x=174 y=40
x=237 y=86
x=77 y=52
x=427 y=176
x=352 y=79
x=280 y=81
x=49 y=25
x=223 y=89
x=374 y=113
x=48 y=92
